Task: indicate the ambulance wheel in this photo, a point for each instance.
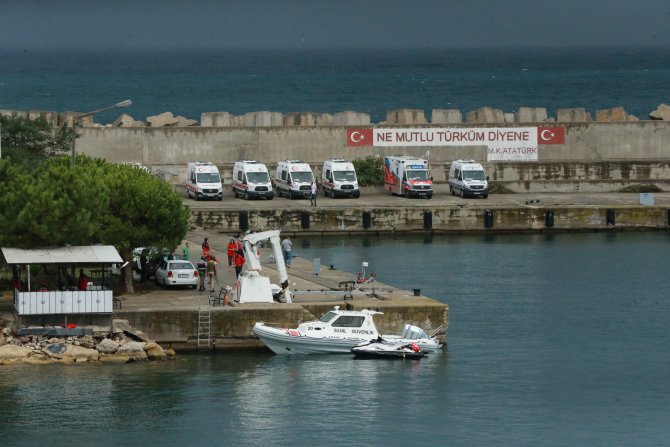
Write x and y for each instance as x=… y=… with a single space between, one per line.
x=246 y=195
x=451 y=190
x=194 y=287
x=485 y=196
x=407 y=194
x=290 y=194
x=462 y=194
x=278 y=192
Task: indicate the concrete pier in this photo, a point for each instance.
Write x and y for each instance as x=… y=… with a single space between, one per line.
x=171 y=316
x=443 y=213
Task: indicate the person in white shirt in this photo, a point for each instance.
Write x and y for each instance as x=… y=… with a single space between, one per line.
x=287 y=250
x=312 y=198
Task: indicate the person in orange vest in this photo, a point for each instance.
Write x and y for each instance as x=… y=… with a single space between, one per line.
x=239 y=262
x=232 y=246
x=205 y=248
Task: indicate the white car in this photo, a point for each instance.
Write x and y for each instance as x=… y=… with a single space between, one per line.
x=177 y=272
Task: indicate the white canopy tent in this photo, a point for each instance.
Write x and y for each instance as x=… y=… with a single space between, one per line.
x=93 y=254
x=93 y=300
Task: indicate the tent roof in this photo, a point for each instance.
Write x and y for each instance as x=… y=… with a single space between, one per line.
x=95 y=254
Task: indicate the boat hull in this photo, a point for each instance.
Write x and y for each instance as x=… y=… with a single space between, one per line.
x=286 y=341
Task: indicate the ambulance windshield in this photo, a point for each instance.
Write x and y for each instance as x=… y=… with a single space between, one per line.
x=417 y=175
x=302 y=176
x=208 y=177
x=344 y=176
x=258 y=177
x=474 y=175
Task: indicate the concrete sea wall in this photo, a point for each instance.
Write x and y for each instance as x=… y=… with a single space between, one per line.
x=595 y=156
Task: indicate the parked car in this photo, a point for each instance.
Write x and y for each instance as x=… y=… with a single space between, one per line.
x=177 y=272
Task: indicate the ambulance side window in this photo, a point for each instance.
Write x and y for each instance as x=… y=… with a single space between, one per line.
x=240 y=176
x=457 y=173
x=283 y=175
x=328 y=174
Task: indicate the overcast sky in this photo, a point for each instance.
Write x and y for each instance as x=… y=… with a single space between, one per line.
x=156 y=24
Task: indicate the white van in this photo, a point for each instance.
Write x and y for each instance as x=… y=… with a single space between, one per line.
x=407 y=176
x=338 y=178
x=203 y=181
x=294 y=179
x=468 y=178
x=251 y=180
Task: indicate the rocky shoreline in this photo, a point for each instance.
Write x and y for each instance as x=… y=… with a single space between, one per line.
x=124 y=345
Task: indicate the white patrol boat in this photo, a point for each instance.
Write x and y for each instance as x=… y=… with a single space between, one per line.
x=336 y=332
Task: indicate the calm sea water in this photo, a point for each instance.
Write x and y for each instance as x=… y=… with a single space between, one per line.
x=554 y=340
x=374 y=82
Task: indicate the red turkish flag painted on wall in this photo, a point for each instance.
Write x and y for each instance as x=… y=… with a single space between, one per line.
x=551 y=135
x=359 y=137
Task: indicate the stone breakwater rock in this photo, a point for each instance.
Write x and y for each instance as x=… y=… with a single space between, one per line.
x=126 y=120
x=107 y=346
x=662 y=112
x=166 y=119
x=40 y=349
x=134 y=350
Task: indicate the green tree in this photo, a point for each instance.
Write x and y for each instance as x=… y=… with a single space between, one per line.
x=141 y=211
x=14 y=181
x=65 y=205
x=92 y=202
x=369 y=170
x=30 y=142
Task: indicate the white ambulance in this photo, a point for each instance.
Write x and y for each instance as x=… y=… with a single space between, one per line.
x=293 y=179
x=203 y=181
x=468 y=178
x=251 y=180
x=338 y=178
x=407 y=176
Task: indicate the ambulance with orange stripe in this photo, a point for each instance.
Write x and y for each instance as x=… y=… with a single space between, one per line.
x=407 y=176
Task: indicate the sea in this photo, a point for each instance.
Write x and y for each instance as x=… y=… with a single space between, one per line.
x=553 y=339
x=188 y=83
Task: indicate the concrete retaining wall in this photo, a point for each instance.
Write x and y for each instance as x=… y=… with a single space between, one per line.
x=443 y=219
x=593 y=152
x=232 y=326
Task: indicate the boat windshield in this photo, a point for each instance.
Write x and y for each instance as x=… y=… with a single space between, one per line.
x=258 y=177
x=327 y=317
x=349 y=321
x=344 y=176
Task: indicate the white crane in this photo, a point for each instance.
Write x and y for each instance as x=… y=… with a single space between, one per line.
x=252 y=286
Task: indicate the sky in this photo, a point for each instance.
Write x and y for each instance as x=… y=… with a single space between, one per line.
x=323 y=24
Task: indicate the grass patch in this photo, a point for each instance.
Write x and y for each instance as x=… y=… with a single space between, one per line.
x=499 y=188
x=641 y=188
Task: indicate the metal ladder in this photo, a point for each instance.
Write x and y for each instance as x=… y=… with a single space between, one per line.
x=204 y=325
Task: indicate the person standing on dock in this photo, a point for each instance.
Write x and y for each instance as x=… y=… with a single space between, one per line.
x=205 y=248
x=202 y=271
x=287 y=250
x=232 y=247
x=211 y=272
x=239 y=262
x=312 y=197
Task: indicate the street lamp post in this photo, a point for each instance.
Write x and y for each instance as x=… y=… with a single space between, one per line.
x=79 y=116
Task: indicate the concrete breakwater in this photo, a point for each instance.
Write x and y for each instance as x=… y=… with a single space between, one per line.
x=482 y=115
